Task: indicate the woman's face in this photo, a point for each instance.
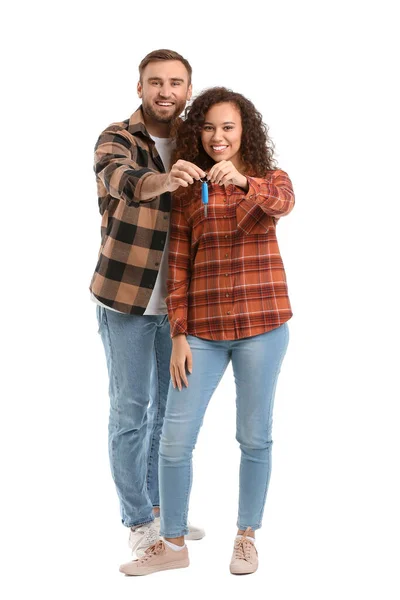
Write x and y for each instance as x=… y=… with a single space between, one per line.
x=222 y=133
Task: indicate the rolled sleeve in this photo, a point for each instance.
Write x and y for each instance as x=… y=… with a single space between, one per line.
x=270 y=197
x=116 y=166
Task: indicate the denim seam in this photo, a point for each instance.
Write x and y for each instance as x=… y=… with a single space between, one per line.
x=99 y=316
x=282 y=356
x=108 y=336
x=187 y=494
x=152 y=439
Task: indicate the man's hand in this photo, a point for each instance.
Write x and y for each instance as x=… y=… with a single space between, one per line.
x=224 y=172
x=181 y=359
x=183 y=174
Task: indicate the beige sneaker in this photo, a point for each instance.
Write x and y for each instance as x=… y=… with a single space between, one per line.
x=244 y=557
x=159 y=557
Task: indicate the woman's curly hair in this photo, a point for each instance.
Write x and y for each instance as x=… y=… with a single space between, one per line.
x=256 y=149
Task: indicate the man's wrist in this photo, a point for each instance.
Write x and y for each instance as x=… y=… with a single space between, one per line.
x=153 y=186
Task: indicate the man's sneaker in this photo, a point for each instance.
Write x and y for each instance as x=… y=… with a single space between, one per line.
x=195 y=533
x=159 y=557
x=244 y=557
x=143 y=536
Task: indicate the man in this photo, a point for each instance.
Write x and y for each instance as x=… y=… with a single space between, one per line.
x=134 y=181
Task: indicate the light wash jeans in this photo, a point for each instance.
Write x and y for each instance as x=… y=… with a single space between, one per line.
x=138 y=350
x=256 y=363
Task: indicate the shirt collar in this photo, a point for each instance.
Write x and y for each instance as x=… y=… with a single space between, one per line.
x=136 y=123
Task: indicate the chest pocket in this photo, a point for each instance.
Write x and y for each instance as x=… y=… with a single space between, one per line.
x=263 y=223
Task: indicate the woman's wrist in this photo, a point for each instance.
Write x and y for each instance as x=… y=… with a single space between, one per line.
x=242 y=182
x=178 y=337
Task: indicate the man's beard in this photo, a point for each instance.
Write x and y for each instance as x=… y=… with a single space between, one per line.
x=150 y=112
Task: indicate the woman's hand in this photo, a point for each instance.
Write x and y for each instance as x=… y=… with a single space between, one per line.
x=225 y=172
x=181 y=359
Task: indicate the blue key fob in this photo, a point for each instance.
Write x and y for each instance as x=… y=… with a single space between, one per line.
x=204 y=194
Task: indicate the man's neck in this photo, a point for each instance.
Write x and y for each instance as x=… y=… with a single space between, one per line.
x=157 y=129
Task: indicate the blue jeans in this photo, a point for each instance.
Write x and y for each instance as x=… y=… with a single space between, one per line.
x=138 y=350
x=256 y=363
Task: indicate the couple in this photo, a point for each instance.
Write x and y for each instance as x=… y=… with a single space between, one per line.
x=212 y=279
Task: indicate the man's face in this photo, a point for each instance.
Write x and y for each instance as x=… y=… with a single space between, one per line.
x=164 y=90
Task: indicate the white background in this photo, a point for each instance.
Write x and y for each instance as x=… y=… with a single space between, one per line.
x=324 y=77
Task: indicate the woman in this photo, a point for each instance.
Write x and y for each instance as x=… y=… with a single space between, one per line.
x=227 y=301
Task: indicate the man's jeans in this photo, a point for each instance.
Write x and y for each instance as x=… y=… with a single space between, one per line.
x=256 y=363
x=138 y=350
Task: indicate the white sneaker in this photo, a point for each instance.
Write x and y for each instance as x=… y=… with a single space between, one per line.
x=195 y=533
x=140 y=538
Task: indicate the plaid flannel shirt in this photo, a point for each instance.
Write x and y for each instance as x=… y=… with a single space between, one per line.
x=133 y=231
x=226 y=277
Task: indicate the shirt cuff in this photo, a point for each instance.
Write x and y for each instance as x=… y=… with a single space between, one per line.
x=138 y=188
x=178 y=326
x=254 y=189
x=249 y=213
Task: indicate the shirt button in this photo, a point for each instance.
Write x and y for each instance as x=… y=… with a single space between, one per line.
x=226 y=274
x=224 y=199
x=226 y=255
x=156 y=264
x=228 y=313
x=225 y=236
x=165 y=217
x=226 y=295
x=224 y=216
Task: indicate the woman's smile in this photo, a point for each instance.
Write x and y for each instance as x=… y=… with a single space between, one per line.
x=221 y=134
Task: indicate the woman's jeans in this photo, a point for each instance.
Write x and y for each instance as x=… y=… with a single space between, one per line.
x=256 y=363
x=138 y=350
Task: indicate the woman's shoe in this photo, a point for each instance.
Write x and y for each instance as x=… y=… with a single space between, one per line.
x=244 y=558
x=159 y=557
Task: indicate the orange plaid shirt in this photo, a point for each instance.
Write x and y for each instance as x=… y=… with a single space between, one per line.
x=226 y=277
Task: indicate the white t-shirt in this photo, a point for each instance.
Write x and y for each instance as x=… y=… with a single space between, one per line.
x=157 y=305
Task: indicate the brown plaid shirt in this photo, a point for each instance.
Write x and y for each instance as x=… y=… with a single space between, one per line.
x=226 y=277
x=133 y=232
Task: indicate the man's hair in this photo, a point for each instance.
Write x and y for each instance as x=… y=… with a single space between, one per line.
x=158 y=55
